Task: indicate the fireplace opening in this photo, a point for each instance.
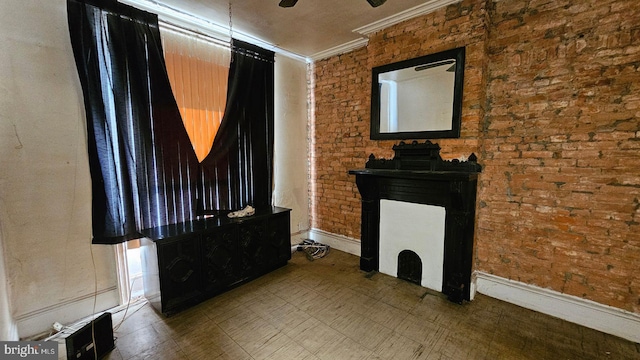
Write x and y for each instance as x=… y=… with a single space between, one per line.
x=410 y=267
x=412 y=228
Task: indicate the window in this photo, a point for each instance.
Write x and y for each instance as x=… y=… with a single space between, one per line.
x=198 y=70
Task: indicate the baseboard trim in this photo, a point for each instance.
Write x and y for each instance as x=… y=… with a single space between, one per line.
x=339 y=242
x=40 y=321
x=580 y=311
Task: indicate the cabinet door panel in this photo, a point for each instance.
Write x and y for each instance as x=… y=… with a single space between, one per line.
x=180 y=271
x=279 y=238
x=253 y=252
x=220 y=266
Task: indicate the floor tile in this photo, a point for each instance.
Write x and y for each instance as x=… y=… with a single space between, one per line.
x=401 y=347
x=329 y=309
x=345 y=349
x=314 y=335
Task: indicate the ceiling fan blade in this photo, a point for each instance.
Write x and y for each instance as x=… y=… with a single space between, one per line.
x=376 y=3
x=287 y=3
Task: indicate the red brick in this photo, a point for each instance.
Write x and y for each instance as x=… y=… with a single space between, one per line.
x=551 y=108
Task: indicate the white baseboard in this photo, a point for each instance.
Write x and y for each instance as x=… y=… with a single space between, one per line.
x=580 y=311
x=338 y=242
x=41 y=321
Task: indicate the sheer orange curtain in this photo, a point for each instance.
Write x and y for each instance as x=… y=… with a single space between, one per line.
x=198 y=71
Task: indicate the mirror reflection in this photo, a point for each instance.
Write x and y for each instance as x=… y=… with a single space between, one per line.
x=419 y=98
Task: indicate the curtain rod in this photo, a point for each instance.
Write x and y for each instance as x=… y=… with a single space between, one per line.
x=200 y=35
x=166 y=25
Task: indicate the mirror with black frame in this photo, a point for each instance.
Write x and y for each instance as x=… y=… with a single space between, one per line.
x=420 y=98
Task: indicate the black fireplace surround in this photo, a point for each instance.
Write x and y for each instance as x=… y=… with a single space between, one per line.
x=417 y=174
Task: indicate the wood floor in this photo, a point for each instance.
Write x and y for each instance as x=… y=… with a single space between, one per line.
x=329 y=309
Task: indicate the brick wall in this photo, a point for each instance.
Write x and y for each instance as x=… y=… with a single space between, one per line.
x=343 y=96
x=552 y=109
x=559 y=193
x=339 y=141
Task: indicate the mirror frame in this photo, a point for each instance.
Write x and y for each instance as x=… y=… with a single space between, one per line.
x=458 y=54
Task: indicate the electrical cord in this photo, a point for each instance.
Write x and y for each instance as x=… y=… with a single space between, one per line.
x=313 y=249
x=69 y=330
x=95 y=300
x=124 y=317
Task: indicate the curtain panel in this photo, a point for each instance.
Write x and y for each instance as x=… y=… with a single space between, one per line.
x=143 y=168
x=239 y=168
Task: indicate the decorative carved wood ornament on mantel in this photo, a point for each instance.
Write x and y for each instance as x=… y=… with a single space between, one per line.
x=417 y=174
x=422 y=156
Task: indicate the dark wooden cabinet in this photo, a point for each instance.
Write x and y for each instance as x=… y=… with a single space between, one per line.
x=186 y=263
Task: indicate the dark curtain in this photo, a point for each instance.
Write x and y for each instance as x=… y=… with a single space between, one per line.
x=143 y=168
x=239 y=169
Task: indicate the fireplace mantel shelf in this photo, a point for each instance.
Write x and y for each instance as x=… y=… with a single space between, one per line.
x=417 y=174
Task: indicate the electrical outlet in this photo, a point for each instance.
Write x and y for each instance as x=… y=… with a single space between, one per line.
x=57 y=326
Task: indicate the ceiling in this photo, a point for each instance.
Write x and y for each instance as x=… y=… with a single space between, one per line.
x=312 y=29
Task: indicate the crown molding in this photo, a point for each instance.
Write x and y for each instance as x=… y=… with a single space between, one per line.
x=196 y=24
x=221 y=32
x=340 y=49
x=425 y=8
x=366 y=30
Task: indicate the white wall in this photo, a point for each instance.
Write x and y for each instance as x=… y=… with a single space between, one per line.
x=45 y=193
x=8 y=327
x=291 y=146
